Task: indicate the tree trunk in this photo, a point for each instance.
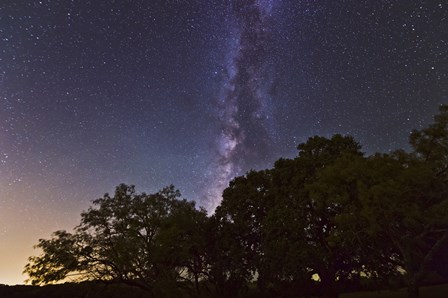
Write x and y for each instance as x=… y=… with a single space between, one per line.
x=196 y=285
x=328 y=286
x=413 y=289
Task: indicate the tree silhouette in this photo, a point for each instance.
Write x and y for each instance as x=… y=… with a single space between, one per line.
x=406 y=203
x=331 y=211
x=126 y=238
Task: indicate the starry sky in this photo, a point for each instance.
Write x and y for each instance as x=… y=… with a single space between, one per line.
x=195 y=92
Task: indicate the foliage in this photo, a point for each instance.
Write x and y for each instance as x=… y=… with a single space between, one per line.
x=126 y=238
x=59 y=258
x=405 y=200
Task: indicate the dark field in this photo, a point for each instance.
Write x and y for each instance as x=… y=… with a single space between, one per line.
x=85 y=290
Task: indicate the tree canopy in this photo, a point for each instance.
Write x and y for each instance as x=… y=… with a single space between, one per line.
x=133 y=238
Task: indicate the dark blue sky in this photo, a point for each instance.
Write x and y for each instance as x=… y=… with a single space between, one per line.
x=95 y=93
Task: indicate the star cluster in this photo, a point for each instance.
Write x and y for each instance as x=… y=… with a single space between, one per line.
x=190 y=92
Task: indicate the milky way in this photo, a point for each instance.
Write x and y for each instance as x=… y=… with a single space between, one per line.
x=245 y=135
x=193 y=93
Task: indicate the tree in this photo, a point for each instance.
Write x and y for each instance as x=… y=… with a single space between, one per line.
x=59 y=259
x=406 y=207
x=183 y=243
x=124 y=239
x=309 y=212
x=238 y=223
x=284 y=228
x=406 y=200
x=431 y=144
x=401 y=205
x=342 y=185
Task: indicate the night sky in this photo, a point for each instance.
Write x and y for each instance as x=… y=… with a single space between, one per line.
x=193 y=93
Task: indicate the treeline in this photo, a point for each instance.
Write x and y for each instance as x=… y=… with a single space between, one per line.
x=331 y=214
